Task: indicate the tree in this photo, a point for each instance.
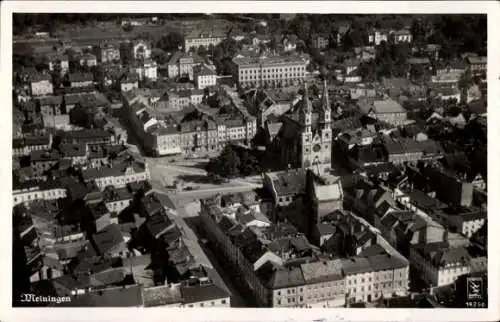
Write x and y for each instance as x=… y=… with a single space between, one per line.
x=81 y=117
x=128 y=28
x=202 y=51
x=249 y=164
x=211 y=49
x=466 y=80
x=159 y=56
x=227 y=164
x=172 y=41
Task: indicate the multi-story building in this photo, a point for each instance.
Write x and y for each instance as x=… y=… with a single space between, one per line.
x=41 y=161
x=477 y=64
x=145 y=69
x=76 y=153
x=204 y=77
x=177 y=100
x=402 y=36
x=107 y=53
x=117 y=175
x=467 y=222
x=31 y=191
x=135 y=50
x=321 y=42
x=438 y=263
x=58 y=62
x=282 y=276
x=129 y=82
x=198 y=38
x=275 y=70
x=181 y=64
x=41 y=85
x=198 y=135
x=376 y=37
x=23 y=146
x=81 y=79
x=50 y=106
x=87 y=60
x=386 y=110
x=90 y=137
x=116 y=199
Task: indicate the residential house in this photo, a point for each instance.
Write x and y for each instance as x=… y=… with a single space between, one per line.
x=477 y=64
x=87 y=60
x=197 y=38
x=204 y=77
x=58 y=62
x=145 y=69
x=41 y=161
x=321 y=42
x=386 y=110
x=129 y=82
x=438 y=263
x=402 y=36
x=117 y=175
x=76 y=153
x=41 y=85
x=107 y=53
x=181 y=64
x=81 y=80
x=377 y=36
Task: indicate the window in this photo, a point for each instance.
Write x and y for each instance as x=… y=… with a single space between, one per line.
x=223 y=301
x=213 y=303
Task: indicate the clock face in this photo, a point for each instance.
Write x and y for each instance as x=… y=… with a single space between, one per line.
x=316 y=148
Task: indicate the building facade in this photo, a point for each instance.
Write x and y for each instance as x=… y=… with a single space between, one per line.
x=271 y=71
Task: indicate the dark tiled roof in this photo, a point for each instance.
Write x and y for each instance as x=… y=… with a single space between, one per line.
x=161 y=295
x=356 y=265
x=108 y=238
x=282 y=277
x=125 y=296
x=202 y=293
x=292 y=182
x=386 y=262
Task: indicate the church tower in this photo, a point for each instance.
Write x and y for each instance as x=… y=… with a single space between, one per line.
x=325 y=119
x=305 y=119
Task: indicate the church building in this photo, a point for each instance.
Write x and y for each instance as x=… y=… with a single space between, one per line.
x=304 y=139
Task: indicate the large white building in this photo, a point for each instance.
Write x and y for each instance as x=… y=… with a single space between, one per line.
x=204 y=77
x=270 y=71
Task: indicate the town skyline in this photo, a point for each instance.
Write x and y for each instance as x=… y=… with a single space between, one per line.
x=250 y=160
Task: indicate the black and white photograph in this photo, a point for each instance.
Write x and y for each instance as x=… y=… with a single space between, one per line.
x=248 y=159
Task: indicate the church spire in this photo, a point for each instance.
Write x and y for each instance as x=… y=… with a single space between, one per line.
x=325 y=104
x=307 y=105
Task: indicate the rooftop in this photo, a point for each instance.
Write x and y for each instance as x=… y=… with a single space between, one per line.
x=288 y=182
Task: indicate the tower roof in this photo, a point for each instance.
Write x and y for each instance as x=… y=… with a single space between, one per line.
x=306 y=105
x=325 y=100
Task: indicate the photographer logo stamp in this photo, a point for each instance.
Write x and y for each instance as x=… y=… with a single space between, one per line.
x=474 y=288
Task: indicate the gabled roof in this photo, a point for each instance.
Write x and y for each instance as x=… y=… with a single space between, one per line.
x=356 y=265
x=108 y=238
x=202 y=293
x=280 y=277
x=328 y=192
x=122 y=296
x=322 y=271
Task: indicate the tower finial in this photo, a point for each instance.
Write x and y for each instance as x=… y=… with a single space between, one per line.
x=325 y=98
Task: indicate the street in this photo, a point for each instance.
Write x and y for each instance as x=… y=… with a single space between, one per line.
x=187 y=224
